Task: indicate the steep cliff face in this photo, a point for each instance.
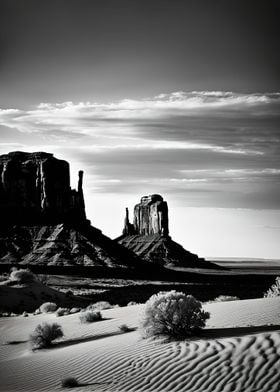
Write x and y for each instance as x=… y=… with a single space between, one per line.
x=150 y=217
x=35 y=188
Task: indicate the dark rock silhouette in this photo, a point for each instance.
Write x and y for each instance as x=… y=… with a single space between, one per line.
x=128 y=227
x=148 y=237
x=43 y=220
x=35 y=188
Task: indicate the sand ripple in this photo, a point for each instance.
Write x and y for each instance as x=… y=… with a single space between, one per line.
x=225 y=359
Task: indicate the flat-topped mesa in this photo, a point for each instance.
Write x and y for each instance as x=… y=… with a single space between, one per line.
x=35 y=189
x=150 y=217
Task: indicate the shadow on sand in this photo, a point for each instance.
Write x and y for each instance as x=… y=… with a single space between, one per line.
x=72 y=342
x=216 y=333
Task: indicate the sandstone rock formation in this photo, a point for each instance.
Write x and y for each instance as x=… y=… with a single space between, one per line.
x=43 y=220
x=151 y=216
x=149 y=238
x=35 y=188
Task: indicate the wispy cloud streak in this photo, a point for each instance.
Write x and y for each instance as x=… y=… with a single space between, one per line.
x=220 y=147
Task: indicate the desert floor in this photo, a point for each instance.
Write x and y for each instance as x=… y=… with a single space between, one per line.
x=238 y=351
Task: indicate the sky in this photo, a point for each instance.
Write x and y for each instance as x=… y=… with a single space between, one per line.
x=178 y=97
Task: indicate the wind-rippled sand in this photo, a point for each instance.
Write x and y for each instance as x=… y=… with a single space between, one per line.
x=238 y=351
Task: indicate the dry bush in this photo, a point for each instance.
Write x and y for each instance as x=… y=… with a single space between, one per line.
x=90 y=316
x=75 y=310
x=101 y=305
x=62 y=312
x=274 y=290
x=22 y=276
x=173 y=314
x=48 y=307
x=226 y=298
x=44 y=334
x=69 y=382
x=125 y=328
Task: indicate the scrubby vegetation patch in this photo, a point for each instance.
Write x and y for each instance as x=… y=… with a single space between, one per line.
x=69 y=382
x=274 y=290
x=90 y=316
x=48 y=307
x=22 y=276
x=44 y=334
x=173 y=314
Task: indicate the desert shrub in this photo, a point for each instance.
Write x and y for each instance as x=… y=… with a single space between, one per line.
x=44 y=334
x=22 y=276
x=62 y=312
x=226 y=298
x=74 y=310
x=69 y=382
x=90 y=316
x=48 y=307
x=274 y=290
x=101 y=305
x=124 y=328
x=174 y=314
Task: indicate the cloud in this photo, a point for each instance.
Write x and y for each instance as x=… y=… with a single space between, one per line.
x=211 y=148
x=85 y=117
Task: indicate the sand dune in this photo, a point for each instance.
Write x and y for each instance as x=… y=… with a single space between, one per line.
x=238 y=351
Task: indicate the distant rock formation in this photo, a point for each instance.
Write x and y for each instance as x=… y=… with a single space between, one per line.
x=148 y=237
x=150 y=217
x=35 y=188
x=43 y=220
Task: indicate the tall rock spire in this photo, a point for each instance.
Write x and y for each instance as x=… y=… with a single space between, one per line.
x=128 y=227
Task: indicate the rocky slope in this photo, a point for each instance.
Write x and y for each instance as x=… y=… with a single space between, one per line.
x=63 y=245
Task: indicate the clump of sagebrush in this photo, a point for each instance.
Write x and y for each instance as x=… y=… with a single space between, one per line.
x=62 y=312
x=90 y=316
x=226 y=298
x=101 y=305
x=274 y=290
x=48 y=307
x=44 y=334
x=125 y=328
x=75 y=310
x=22 y=276
x=173 y=314
x=69 y=382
